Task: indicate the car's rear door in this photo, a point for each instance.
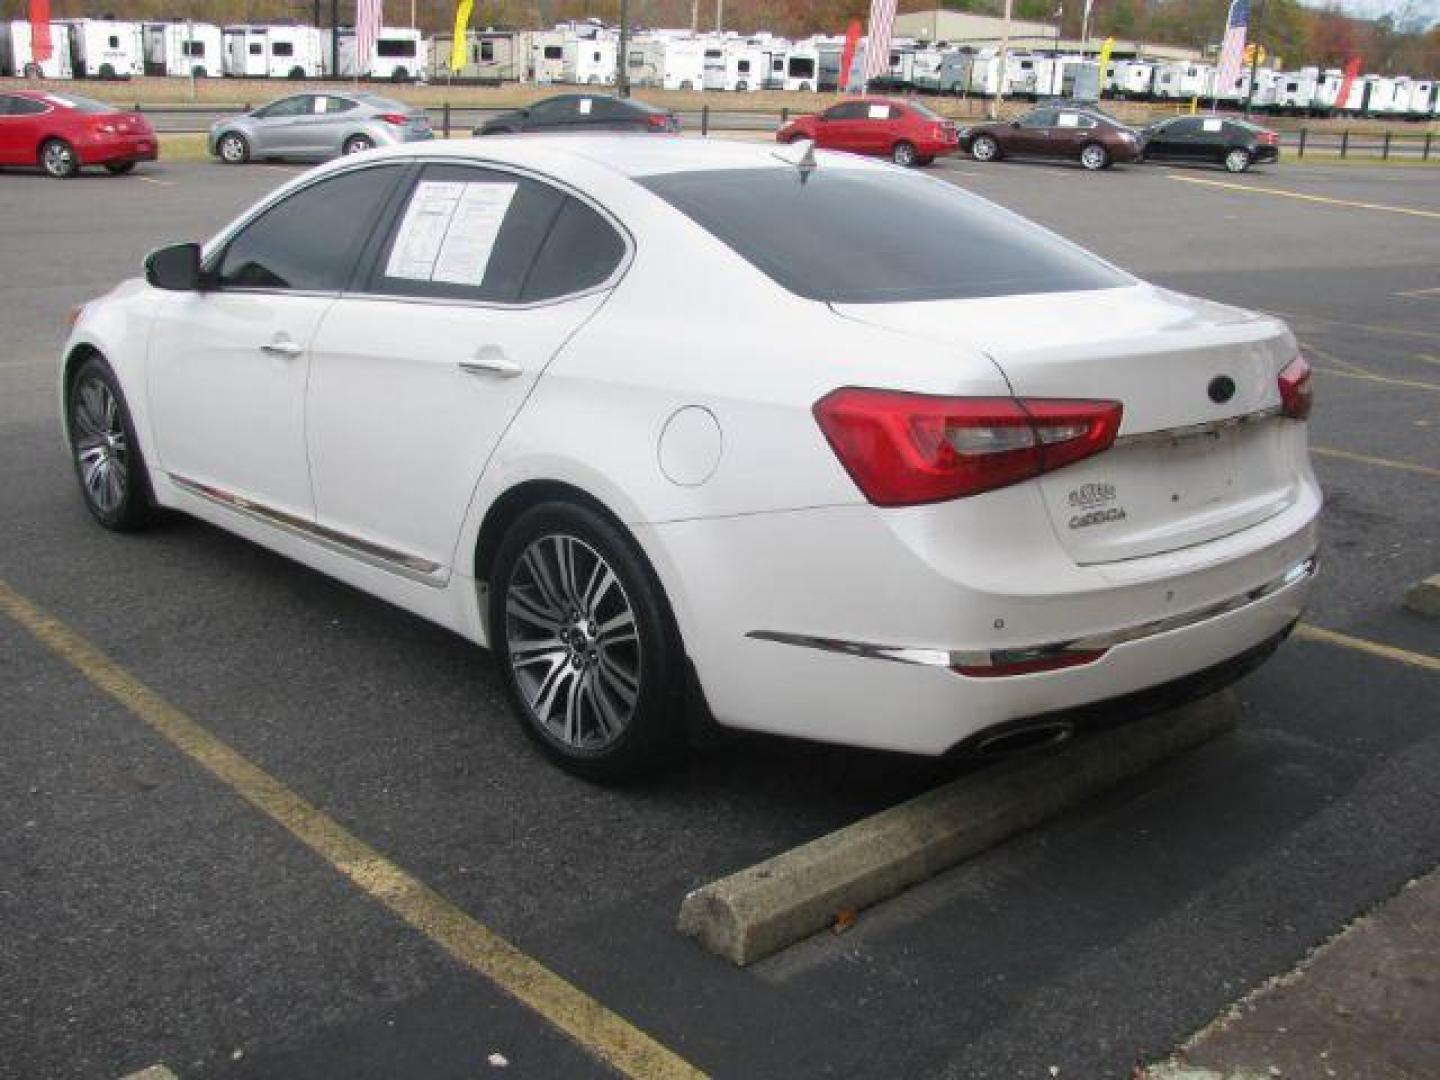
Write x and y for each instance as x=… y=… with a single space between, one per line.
x=475 y=282
x=876 y=129
x=1072 y=130
x=228 y=365
x=324 y=130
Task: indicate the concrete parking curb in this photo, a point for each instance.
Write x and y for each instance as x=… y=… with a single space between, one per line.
x=1424 y=597
x=760 y=910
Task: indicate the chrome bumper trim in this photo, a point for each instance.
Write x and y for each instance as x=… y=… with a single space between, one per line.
x=957 y=658
x=1197 y=431
x=410 y=566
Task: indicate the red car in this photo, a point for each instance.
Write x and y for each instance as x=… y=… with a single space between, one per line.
x=904 y=131
x=61 y=132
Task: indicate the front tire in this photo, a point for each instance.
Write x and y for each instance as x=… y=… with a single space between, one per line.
x=1237 y=160
x=58 y=159
x=984 y=148
x=106 y=453
x=1094 y=157
x=588 y=648
x=233 y=149
x=903 y=153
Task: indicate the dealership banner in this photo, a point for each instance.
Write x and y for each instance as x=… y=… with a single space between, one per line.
x=462 y=21
x=40 y=47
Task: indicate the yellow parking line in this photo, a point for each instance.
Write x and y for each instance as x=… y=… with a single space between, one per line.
x=1307 y=632
x=1408 y=383
x=152 y=180
x=1355 y=369
x=1280 y=193
x=1366 y=459
x=1402 y=331
x=597 y=1029
x=1416 y=294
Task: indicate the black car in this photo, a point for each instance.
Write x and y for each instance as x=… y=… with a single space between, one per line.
x=582 y=112
x=1236 y=144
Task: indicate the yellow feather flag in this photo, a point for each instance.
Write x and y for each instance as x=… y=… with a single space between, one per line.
x=462 y=22
x=1105 y=54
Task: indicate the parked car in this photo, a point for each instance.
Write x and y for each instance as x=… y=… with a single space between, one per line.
x=891 y=497
x=1236 y=144
x=1088 y=136
x=582 y=112
x=311 y=127
x=906 y=132
x=63 y=132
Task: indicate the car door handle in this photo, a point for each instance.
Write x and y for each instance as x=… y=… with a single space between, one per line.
x=283 y=347
x=491 y=360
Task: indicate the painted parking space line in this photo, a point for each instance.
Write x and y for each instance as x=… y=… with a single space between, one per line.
x=590 y=1024
x=1325 y=354
x=160 y=183
x=1369 y=328
x=1420 y=294
x=1320 y=635
x=1304 y=197
x=1368 y=459
x=1409 y=384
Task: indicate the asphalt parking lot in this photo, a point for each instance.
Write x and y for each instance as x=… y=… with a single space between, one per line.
x=152 y=915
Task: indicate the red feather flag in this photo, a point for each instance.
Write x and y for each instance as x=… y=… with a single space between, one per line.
x=40 y=46
x=847 y=59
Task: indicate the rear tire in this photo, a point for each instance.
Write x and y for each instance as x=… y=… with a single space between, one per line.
x=119 y=168
x=358 y=144
x=588 y=649
x=1237 y=160
x=1094 y=157
x=903 y=154
x=57 y=158
x=107 y=457
x=232 y=148
x=985 y=148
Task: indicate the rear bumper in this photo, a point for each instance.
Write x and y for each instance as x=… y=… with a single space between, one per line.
x=106 y=151
x=841 y=624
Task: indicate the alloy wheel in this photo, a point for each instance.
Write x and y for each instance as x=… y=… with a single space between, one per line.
x=1237 y=160
x=101 y=450
x=573 y=642
x=232 y=149
x=983 y=149
x=357 y=144
x=903 y=154
x=1093 y=156
x=58 y=158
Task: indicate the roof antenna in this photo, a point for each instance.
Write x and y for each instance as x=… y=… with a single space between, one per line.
x=800 y=153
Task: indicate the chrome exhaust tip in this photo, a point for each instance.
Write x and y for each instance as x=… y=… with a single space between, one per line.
x=1021 y=739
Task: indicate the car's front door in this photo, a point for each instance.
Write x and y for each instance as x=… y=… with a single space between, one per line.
x=280 y=126
x=228 y=365
x=838 y=127
x=481 y=276
x=555 y=114
x=19 y=132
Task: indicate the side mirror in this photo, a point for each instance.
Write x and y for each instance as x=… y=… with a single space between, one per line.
x=176 y=268
x=1015 y=123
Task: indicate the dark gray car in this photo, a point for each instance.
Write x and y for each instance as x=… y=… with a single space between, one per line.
x=316 y=126
x=582 y=112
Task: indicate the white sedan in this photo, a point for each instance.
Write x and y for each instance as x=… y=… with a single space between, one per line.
x=678 y=429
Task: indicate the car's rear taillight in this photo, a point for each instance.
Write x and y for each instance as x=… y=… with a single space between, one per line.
x=1270 y=138
x=398 y=119
x=1296 y=395
x=904 y=449
x=658 y=121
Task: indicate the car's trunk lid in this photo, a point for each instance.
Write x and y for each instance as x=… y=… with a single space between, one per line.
x=1191 y=464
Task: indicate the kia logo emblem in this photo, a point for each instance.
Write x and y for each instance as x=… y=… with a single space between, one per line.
x=1222 y=389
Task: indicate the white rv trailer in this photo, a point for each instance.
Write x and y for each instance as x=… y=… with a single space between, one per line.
x=1073 y=77
x=1400 y=104
x=1295 y=91
x=183 y=48
x=1327 y=93
x=748 y=63
x=275 y=52
x=802 y=66
x=595 y=61
x=1379 y=96
x=552 y=57
x=400 y=55
x=1422 y=99
x=645 y=62
x=1132 y=78
x=1182 y=80
x=715 y=71
x=683 y=67
x=491 y=56
x=17 y=53
x=105 y=48
x=954 y=74
x=1022 y=75
x=985 y=75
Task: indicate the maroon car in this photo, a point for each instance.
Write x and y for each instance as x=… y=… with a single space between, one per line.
x=61 y=132
x=1085 y=135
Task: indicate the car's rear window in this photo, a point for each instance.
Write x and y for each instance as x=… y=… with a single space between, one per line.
x=858 y=236
x=923 y=111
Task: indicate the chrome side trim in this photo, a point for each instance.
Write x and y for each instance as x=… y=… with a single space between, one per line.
x=958 y=658
x=1198 y=431
x=409 y=566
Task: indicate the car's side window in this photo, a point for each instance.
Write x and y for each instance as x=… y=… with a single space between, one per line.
x=6 y=104
x=847 y=110
x=293 y=106
x=1038 y=118
x=550 y=111
x=309 y=241
x=465 y=233
x=20 y=106
x=581 y=251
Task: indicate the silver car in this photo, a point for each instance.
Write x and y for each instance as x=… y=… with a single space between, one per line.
x=317 y=126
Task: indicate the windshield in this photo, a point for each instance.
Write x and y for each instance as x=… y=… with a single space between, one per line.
x=845 y=235
x=79 y=104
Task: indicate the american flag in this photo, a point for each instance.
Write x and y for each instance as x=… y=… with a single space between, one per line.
x=368 y=16
x=877 y=45
x=1232 y=49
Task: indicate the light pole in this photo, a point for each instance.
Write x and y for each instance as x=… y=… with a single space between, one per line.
x=622 y=49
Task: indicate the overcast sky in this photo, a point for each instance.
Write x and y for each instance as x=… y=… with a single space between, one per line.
x=1429 y=10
